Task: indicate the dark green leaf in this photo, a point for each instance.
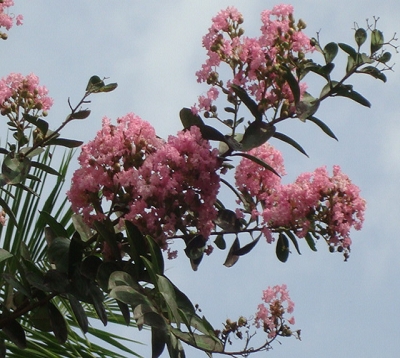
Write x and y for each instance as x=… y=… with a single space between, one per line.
x=56 y=227
x=307 y=106
x=293 y=84
x=94 y=84
x=256 y=134
x=248 y=102
x=157 y=259
x=385 y=57
x=4 y=255
x=90 y=266
x=227 y=220
x=355 y=96
x=294 y=240
x=15 y=333
x=256 y=160
x=360 y=36
x=323 y=126
x=146 y=314
x=349 y=50
x=282 y=248
x=194 y=250
x=56 y=281
x=230 y=110
x=8 y=211
x=175 y=348
x=58 y=324
x=40 y=319
x=377 y=41
x=204 y=342
x=293 y=143
x=14 y=169
x=128 y=295
x=246 y=248
x=69 y=143
x=104 y=272
x=97 y=297
x=79 y=313
x=158 y=340
x=126 y=313
x=75 y=254
x=231 y=259
x=220 y=242
x=210 y=133
x=108 y=88
x=189 y=119
x=330 y=52
x=83 y=114
x=374 y=72
x=17 y=285
x=121 y=278
x=166 y=289
x=310 y=241
x=57 y=253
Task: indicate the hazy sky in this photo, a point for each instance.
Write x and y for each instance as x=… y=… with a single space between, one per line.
x=152 y=49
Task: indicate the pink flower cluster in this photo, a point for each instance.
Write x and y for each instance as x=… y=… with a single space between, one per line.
x=162 y=187
x=7 y=20
x=328 y=206
x=23 y=94
x=256 y=63
x=271 y=316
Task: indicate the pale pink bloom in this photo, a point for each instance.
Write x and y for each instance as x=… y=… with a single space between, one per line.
x=7 y=19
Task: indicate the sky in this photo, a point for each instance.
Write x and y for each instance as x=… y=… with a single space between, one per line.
x=152 y=49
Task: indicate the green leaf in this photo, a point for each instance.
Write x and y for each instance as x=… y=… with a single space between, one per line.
x=310 y=241
x=323 y=126
x=90 y=266
x=158 y=341
x=282 y=248
x=156 y=256
x=40 y=318
x=330 y=52
x=256 y=134
x=69 y=143
x=94 y=84
x=377 y=41
x=355 y=96
x=256 y=160
x=203 y=342
x=8 y=211
x=307 y=107
x=349 y=50
x=121 y=278
x=194 y=249
x=81 y=227
x=292 y=142
x=58 y=324
x=146 y=314
x=386 y=56
x=247 y=101
x=246 y=248
x=128 y=295
x=227 y=220
x=15 y=333
x=374 y=72
x=189 y=119
x=293 y=84
x=79 y=313
x=14 y=169
x=83 y=114
x=167 y=291
x=4 y=255
x=360 y=36
x=104 y=272
x=56 y=227
x=40 y=123
x=57 y=253
x=231 y=259
x=220 y=242
x=108 y=88
x=210 y=133
x=294 y=240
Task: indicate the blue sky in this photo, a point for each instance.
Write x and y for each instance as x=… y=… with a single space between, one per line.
x=152 y=49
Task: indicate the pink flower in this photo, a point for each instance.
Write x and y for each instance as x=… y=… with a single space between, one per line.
x=20 y=93
x=7 y=20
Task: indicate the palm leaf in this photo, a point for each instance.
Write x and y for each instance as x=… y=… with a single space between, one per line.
x=27 y=208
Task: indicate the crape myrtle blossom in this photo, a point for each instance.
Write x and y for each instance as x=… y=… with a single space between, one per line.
x=162 y=187
x=270 y=314
x=256 y=63
x=318 y=203
x=22 y=94
x=7 y=19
